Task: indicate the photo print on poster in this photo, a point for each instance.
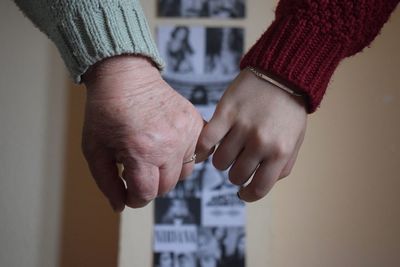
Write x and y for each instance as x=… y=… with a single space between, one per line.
x=201 y=222
x=222 y=9
x=221 y=246
x=200 y=62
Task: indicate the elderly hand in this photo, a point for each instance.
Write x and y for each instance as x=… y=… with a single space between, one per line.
x=134 y=118
x=260 y=129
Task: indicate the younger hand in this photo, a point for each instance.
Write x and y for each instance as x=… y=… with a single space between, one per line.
x=260 y=129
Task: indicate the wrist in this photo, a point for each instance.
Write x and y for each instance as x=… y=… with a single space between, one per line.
x=280 y=88
x=263 y=76
x=136 y=66
x=121 y=76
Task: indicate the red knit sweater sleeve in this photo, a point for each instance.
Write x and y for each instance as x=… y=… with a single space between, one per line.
x=308 y=39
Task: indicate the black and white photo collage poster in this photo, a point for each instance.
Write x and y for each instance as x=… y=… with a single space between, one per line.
x=233 y=9
x=201 y=223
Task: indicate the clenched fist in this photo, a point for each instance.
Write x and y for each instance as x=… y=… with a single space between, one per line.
x=134 y=118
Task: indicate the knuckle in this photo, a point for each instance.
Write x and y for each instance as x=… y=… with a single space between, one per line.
x=275 y=148
x=279 y=150
x=260 y=140
x=138 y=143
x=244 y=124
x=151 y=143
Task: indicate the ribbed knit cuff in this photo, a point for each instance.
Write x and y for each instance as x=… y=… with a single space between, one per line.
x=91 y=30
x=299 y=55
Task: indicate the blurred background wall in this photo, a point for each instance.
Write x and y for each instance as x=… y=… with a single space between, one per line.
x=32 y=137
x=339 y=207
x=51 y=213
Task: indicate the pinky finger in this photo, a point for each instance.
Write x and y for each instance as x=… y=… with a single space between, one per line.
x=264 y=179
x=289 y=165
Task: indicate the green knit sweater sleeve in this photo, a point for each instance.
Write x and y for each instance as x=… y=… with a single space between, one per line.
x=87 y=31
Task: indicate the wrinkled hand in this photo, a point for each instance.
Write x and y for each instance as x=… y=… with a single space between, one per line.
x=260 y=129
x=134 y=118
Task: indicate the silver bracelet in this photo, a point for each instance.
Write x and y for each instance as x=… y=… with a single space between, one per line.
x=264 y=77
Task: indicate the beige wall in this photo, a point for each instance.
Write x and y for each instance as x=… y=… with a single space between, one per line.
x=51 y=213
x=341 y=204
x=89 y=228
x=31 y=143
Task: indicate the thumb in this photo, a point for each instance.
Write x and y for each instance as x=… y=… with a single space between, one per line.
x=211 y=135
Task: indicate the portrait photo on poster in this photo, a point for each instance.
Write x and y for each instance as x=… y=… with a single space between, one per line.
x=201 y=62
x=182 y=47
x=177 y=210
x=213 y=247
x=221 y=246
x=222 y=9
x=224 y=49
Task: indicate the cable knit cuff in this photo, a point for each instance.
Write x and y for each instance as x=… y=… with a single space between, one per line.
x=89 y=31
x=298 y=54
